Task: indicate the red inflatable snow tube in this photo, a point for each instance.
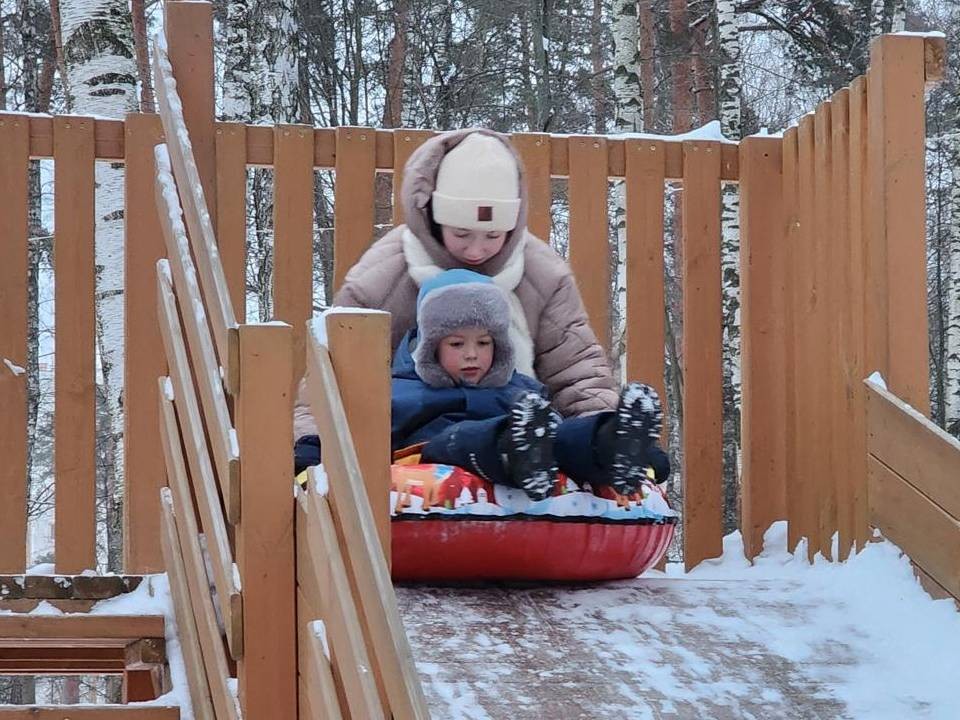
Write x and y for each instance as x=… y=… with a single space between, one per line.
x=446 y=546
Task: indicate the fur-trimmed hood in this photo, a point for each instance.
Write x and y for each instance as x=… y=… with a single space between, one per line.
x=419 y=182
x=458 y=299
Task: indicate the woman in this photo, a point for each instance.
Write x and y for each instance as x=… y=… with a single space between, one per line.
x=465 y=205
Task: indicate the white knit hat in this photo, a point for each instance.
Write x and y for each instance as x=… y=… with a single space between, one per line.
x=478 y=186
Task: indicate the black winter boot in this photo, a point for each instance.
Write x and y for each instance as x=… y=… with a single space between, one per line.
x=528 y=445
x=628 y=436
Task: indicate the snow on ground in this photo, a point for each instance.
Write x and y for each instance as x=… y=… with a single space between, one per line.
x=778 y=639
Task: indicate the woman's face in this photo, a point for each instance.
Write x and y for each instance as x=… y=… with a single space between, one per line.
x=472 y=247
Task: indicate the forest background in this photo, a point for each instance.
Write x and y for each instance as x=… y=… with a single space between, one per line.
x=560 y=66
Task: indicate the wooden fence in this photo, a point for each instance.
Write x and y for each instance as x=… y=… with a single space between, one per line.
x=819 y=307
x=914 y=497
x=834 y=288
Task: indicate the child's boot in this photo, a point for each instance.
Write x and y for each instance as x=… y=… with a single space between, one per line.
x=528 y=444
x=629 y=434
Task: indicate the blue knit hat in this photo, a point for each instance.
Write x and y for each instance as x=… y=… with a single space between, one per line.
x=456 y=299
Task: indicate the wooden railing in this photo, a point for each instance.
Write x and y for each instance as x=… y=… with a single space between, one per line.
x=834 y=287
x=913 y=483
x=235 y=469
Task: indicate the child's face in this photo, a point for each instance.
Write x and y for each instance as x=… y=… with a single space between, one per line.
x=472 y=247
x=467 y=354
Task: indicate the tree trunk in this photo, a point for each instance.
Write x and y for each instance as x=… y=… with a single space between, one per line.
x=396 y=62
x=628 y=95
x=540 y=24
x=597 y=84
x=680 y=77
x=139 y=17
x=729 y=96
x=101 y=80
x=648 y=51
x=877 y=20
x=951 y=396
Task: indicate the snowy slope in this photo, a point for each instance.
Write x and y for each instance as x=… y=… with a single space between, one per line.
x=780 y=639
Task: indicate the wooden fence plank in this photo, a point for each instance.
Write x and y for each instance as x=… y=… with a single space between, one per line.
x=188 y=29
x=354 y=184
x=181 y=534
x=763 y=438
x=534 y=151
x=319 y=676
x=804 y=343
x=293 y=235
x=145 y=362
x=201 y=471
x=328 y=587
x=645 y=271
x=405 y=141
x=203 y=359
x=186 y=624
x=703 y=409
x=920 y=452
x=920 y=527
x=857 y=318
x=81 y=626
x=359 y=346
x=197 y=214
x=357 y=534
x=840 y=315
x=589 y=248
x=15 y=141
x=825 y=365
x=104 y=712
x=267 y=672
x=791 y=232
x=898 y=210
x=75 y=382
x=231 y=145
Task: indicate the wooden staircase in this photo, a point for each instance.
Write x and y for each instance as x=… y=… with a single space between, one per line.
x=76 y=641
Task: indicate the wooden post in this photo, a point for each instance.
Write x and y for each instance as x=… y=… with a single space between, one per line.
x=359 y=345
x=75 y=421
x=355 y=176
x=534 y=151
x=804 y=344
x=267 y=672
x=145 y=361
x=841 y=314
x=589 y=248
x=15 y=141
x=791 y=232
x=404 y=143
x=824 y=357
x=897 y=330
x=293 y=234
x=762 y=271
x=189 y=30
x=856 y=266
x=231 y=146
x=702 y=348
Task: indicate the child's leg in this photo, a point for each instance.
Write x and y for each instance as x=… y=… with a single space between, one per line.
x=472 y=445
x=306 y=452
x=615 y=448
x=514 y=449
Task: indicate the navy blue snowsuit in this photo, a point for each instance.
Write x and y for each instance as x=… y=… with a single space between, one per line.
x=461 y=426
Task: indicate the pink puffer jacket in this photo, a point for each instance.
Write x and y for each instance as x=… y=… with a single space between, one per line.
x=565 y=353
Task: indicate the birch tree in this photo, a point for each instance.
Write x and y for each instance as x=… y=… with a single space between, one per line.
x=628 y=96
x=951 y=311
x=729 y=95
x=101 y=79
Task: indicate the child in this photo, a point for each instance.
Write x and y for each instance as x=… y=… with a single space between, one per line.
x=456 y=389
x=464 y=203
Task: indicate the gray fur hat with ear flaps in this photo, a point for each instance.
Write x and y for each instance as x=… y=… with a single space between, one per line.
x=458 y=299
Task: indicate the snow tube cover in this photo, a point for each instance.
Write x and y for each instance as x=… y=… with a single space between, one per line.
x=449 y=524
